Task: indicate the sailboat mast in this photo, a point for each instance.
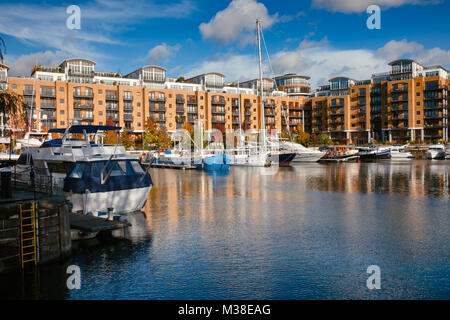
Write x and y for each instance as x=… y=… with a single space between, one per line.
x=239 y=104
x=263 y=120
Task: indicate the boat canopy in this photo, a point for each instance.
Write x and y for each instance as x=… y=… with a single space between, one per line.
x=85 y=128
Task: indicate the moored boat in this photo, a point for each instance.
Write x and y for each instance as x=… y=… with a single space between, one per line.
x=340 y=154
x=94 y=178
x=374 y=153
x=436 y=152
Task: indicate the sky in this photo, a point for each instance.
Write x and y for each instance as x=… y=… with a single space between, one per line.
x=318 y=38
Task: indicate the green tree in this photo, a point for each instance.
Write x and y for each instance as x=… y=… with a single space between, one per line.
x=126 y=140
x=150 y=136
x=180 y=79
x=324 y=139
x=303 y=138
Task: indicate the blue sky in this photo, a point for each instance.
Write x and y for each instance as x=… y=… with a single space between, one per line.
x=319 y=38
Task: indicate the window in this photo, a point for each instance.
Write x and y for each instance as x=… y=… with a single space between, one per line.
x=417 y=84
x=418 y=113
x=100 y=103
x=77 y=172
x=100 y=91
x=61 y=112
x=418 y=121
x=62 y=123
x=14 y=86
x=100 y=123
x=61 y=89
x=100 y=113
x=418 y=94
x=418 y=103
x=61 y=101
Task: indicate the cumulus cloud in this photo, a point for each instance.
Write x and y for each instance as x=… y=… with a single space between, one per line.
x=44 y=25
x=410 y=49
x=22 y=65
x=162 y=52
x=237 y=22
x=321 y=61
x=351 y=6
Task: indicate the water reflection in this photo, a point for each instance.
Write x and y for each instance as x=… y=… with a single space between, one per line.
x=304 y=232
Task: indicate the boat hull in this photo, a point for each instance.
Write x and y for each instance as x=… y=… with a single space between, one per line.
x=308 y=157
x=282 y=158
x=435 y=155
x=376 y=155
x=121 y=201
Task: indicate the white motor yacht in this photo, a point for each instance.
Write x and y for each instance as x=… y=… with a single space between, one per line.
x=401 y=153
x=94 y=179
x=436 y=152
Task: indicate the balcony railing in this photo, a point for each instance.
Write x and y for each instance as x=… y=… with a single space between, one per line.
x=83 y=105
x=127 y=117
x=128 y=108
x=48 y=94
x=159 y=109
x=112 y=97
x=157 y=99
x=127 y=98
x=85 y=95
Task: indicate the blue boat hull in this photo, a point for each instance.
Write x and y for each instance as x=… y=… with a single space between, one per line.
x=215 y=162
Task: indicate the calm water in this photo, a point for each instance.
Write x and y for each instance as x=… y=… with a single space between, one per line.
x=305 y=232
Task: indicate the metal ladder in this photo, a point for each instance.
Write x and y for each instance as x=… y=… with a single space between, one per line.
x=28 y=247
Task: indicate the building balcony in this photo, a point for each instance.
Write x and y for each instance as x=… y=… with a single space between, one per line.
x=47 y=94
x=399 y=90
x=222 y=121
x=438 y=107
x=180 y=100
x=157 y=99
x=83 y=105
x=215 y=111
x=83 y=95
x=29 y=92
x=218 y=102
x=190 y=111
x=127 y=117
x=128 y=98
x=434 y=88
x=112 y=108
x=128 y=108
x=48 y=106
x=159 y=109
x=128 y=129
x=191 y=101
x=180 y=110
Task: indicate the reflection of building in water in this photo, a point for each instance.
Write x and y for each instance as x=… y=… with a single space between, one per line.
x=417 y=179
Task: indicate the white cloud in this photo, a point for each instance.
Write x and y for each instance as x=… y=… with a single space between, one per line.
x=405 y=49
x=234 y=67
x=237 y=22
x=161 y=52
x=321 y=61
x=351 y=6
x=44 y=25
x=22 y=65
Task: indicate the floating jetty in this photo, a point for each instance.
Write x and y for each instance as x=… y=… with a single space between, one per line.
x=173 y=166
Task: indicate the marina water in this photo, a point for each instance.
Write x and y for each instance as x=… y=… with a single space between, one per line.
x=305 y=232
